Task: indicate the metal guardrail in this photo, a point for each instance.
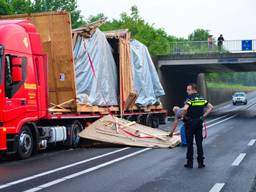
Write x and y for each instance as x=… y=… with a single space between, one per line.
x=203 y=47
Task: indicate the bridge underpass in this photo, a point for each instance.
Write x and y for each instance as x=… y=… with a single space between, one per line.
x=176 y=71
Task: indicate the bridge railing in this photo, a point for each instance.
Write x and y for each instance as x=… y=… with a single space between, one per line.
x=203 y=47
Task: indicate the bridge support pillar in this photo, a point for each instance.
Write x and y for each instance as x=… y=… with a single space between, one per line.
x=202 y=85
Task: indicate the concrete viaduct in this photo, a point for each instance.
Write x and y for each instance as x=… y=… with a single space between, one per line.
x=176 y=71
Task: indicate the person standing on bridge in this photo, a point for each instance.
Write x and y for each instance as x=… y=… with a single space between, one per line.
x=220 y=42
x=193 y=117
x=210 y=42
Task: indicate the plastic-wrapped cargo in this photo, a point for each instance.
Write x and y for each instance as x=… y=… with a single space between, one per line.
x=95 y=71
x=145 y=78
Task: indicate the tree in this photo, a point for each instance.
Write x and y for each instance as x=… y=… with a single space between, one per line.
x=135 y=12
x=199 y=35
x=20 y=6
x=5 y=8
x=93 y=18
x=10 y=7
x=60 y=5
x=157 y=40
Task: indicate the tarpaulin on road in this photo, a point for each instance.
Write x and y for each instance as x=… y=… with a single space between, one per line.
x=95 y=71
x=145 y=77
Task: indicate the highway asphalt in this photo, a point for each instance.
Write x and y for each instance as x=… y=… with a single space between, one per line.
x=230 y=151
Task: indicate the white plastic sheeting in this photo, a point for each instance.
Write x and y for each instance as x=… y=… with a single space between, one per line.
x=95 y=71
x=145 y=77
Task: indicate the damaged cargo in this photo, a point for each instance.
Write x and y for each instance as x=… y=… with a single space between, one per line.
x=111 y=129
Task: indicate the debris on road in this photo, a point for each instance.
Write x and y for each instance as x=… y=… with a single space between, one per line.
x=115 y=130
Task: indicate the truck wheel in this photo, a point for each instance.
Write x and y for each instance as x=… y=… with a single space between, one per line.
x=141 y=119
x=155 y=122
x=130 y=118
x=26 y=143
x=76 y=129
x=149 y=120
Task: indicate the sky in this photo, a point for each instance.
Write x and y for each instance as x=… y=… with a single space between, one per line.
x=235 y=19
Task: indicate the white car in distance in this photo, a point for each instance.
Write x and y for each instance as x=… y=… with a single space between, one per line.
x=239 y=98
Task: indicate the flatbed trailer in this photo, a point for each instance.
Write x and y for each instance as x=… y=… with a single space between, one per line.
x=38 y=91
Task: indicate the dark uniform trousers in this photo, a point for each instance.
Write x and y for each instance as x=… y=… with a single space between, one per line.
x=194 y=129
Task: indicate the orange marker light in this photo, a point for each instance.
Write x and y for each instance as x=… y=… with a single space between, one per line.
x=4 y=129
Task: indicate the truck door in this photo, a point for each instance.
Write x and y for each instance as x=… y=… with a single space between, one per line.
x=41 y=79
x=15 y=94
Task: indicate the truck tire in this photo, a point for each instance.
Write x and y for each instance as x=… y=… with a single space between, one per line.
x=76 y=128
x=141 y=119
x=130 y=118
x=155 y=122
x=149 y=120
x=25 y=144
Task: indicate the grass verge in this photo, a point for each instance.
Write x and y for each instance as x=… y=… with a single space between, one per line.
x=238 y=87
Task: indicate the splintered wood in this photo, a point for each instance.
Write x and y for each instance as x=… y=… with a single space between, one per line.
x=88 y=30
x=64 y=107
x=130 y=101
x=114 y=130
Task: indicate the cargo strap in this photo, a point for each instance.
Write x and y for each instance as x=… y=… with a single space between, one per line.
x=90 y=61
x=205 y=133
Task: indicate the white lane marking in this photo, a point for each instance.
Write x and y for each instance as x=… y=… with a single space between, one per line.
x=217 y=187
x=60 y=168
x=239 y=159
x=252 y=141
x=216 y=119
x=46 y=185
x=222 y=121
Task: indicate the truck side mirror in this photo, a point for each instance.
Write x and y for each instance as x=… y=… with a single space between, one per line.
x=16 y=63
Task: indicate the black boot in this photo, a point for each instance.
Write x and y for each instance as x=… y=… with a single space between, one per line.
x=201 y=164
x=189 y=164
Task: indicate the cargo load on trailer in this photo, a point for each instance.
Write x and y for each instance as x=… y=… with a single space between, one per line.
x=95 y=71
x=137 y=73
x=146 y=81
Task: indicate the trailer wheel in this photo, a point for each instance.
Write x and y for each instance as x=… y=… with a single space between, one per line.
x=149 y=120
x=76 y=129
x=141 y=119
x=26 y=143
x=130 y=118
x=155 y=122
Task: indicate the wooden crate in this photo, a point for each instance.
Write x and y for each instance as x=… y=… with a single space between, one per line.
x=125 y=66
x=130 y=101
x=56 y=37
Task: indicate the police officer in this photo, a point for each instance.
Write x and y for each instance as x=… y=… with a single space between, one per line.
x=193 y=117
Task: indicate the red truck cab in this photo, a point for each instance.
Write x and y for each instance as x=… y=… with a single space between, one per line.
x=23 y=89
